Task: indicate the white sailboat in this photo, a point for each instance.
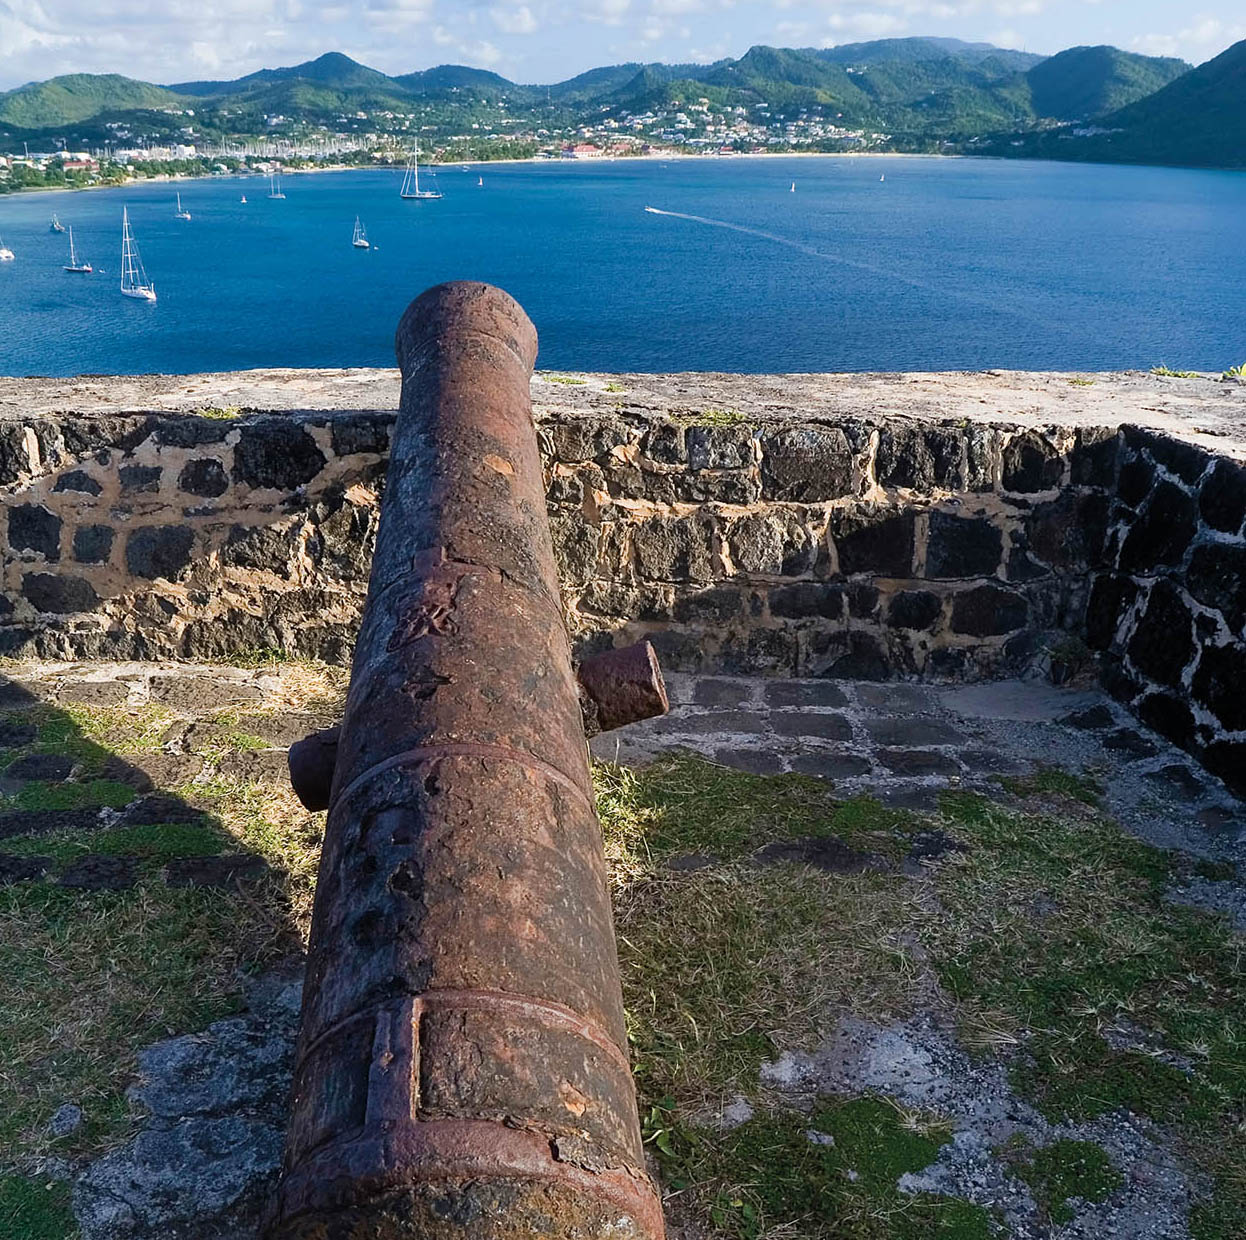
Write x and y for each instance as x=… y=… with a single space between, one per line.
x=480 y=181
x=6 y=255
x=134 y=281
x=56 y=226
x=274 y=185
x=244 y=200
x=360 y=239
x=793 y=189
x=79 y=266
x=411 y=181
x=181 y=213
x=883 y=177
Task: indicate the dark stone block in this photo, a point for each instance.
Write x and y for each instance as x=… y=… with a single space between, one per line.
x=617 y=598
x=1137 y=477
x=773 y=544
x=586 y=439
x=1031 y=464
x=92 y=543
x=101 y=872
x=577 y=545
x=720 y=447
x=709 y=723
x=40 y=767
x=1163 y=643
x=1220 y=684
x=18 y=869
x=825 y=764
x=761 y=650
x=262 y=547
x=1131 y=742
x=205 y=477
x=278 y=454
x=812 y=724
x=77 y=480
x=1228 y=760
x=1110 y=598
x=804 y=693
x=863 y=658
x=353 y=433
x=32 y=528
x=934 y=846
x=1162 y=531
x=1095 y=455
x=821 y=852
x=988 y=611
x=223 y=871
x=807 y=465
x=714 y=606
x=1217 y=578
x=154 y=811
x=862 y=600
x=665 y=444
x=188 y=431
x=159 y=551
x=878 y=543
x=139 y=479
x=679 y=651
x=45 y=821
x=1186 y=460
x=713 y=691
x=1070 y=532
x=918 y=762
x=14 y=458
x=962 y=547
x=804 y=599
x=912 y=730
x=919 y=458
x=1178 y=779
x=1169 y=715
x=753 y=761
x=50 y=592
x=674 y=548
x=1092 y=719
x=1222 y=497
x=914 y=609
x=1117 y=682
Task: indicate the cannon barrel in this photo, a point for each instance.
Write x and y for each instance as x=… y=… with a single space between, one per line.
x=617 y=687
x=462 y=1068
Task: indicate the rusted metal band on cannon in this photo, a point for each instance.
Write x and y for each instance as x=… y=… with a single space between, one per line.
x=462 y=1065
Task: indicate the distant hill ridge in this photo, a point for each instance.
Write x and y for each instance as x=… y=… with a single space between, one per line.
x=917 y=89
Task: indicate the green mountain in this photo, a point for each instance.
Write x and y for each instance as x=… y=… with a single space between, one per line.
x=1086 y=82
x=916 y=50
x=78 y=97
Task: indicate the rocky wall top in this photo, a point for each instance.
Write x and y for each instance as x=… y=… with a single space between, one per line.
x=1204 y=410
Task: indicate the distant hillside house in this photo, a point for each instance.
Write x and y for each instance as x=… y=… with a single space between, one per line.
x=79 y=163
x=582 y=150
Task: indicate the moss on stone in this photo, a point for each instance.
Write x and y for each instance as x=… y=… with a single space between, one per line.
x=35 y=1209
x=1067 y=1169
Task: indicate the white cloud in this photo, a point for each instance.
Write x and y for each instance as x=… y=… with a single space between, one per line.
x=514 y=20
x=1202 y=39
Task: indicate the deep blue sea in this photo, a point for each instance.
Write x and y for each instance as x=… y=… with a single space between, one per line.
x=945 y=264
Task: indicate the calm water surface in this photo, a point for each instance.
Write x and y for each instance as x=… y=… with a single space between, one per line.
x=947 y=264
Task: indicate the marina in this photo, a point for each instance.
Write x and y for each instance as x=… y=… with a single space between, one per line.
x=649 y=266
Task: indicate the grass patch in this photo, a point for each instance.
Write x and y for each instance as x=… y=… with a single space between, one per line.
x=1064 y=1170
x=772 y=1175
x=156 y=843
x=1054 y=927
x=615 y=387
x=1164 y=372
x=86 y=980
x=92 y=734
x=1081 y=382
x=566 y=380
x=90 y=794
x=35 y=1209
x=218 y=413
x=1235 y=372
x=1050 y=781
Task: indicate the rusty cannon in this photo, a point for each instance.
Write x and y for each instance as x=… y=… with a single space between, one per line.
x=462 y=1068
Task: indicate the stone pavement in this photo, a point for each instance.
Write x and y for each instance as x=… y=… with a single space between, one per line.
x=905 y=743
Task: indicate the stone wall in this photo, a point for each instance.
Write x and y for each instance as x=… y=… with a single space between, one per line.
x=795 y=541
x=1169 y=614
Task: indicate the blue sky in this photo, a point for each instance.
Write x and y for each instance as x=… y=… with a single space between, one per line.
x=547 y=40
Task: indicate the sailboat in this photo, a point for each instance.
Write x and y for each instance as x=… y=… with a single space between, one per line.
x=883 y=177
x=56 y=225
x=411 y=182
x=181 y=213
x=274 y=185
x=793 y=189
x=79 y=266
x=134 y=282
x=360 y=239
x=480 y=181
x=6 y=255
x=243 y=200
